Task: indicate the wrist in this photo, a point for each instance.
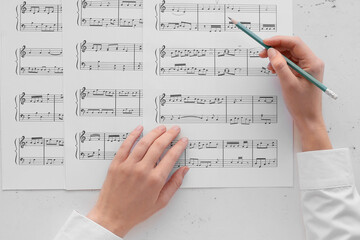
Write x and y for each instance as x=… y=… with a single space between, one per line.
x=314 y=135
x=113 y=225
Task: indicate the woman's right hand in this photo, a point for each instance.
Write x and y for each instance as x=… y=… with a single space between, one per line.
x=303 y=99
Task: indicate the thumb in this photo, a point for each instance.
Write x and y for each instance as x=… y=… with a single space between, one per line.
x=171 y=186
x=279 y=64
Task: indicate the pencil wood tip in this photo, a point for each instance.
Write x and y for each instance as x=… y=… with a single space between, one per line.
x=232 y=20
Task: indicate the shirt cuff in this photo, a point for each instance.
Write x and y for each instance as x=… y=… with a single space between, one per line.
x=78 y=227
x=325 y=169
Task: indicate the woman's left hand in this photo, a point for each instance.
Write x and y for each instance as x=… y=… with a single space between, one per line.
x=135 y=187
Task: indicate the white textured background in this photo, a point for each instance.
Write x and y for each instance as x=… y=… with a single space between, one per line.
x=332 y=29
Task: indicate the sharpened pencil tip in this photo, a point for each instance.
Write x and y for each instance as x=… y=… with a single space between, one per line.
x=232 y=20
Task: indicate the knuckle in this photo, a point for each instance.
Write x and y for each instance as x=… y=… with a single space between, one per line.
x=297 y=39
x=112 y=169
x=160 y=144
x=143 y=143
x=155 y=179
x=172 y=154
x=278 y=65
x=177 y=183
x=163 y=202
x=291 y=85
x=320 y=64
x=139 y=172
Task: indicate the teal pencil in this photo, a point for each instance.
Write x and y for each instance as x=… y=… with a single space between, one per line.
x=298 y=69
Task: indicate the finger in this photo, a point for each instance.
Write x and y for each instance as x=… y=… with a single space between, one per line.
x=143 y=145
x=159 y=146
x=280 y=66
x=127 y=145
x=166 y=164
x=171 y=187
x=263 y=54
x=270 y=68
x=294 y=44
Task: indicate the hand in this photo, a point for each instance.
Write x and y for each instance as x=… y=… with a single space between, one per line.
x=135 y=187
x=303 y=99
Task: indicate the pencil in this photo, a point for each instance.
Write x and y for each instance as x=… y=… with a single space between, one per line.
x=298 y=69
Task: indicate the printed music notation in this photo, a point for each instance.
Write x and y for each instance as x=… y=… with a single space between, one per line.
x=39 y=17
x=214 y=17
x=198 y=154
x=109 y=102
x=197 y=109
x=229 y=154
x=110 y=56
x=39 y=151
x=39 y=107
x=114 y=13
x=210 y=62
x=98 y=145
x=39 y=61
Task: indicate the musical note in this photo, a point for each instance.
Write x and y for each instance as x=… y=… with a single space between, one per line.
x=130 y=101
x=40 y=107
x=185 y=109
x=123 y=14
x=50 y=20
x=228 y=154
x=217 y=62
x=99 y=145
x=40 y=151
x=129 y=56
x=172 y=17
x=43 y=55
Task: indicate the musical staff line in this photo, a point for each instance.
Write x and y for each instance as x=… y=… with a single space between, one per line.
x=198 y=154
x=110 y=56
x=114 y=103
x=39 y=151
x=39 y=17
x=120 y=13
x=39 y=61
x=39 y=107
x=214 y=62
x=196 y=109
x=214 y=17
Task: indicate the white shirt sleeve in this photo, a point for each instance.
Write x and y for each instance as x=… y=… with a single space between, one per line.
x=78 y=227
x=330 y=202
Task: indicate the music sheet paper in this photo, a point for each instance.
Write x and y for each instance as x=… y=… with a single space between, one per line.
x=32 y=95
x=203 y=74
x=103 y=84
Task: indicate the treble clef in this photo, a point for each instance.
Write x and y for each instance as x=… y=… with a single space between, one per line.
x=22 y=142
x=162 y=51
x=83 y=93
x=23 y=8
x=22 y=98
x=82 y=137
x=84 y=3
x=162 y=7
x=83 y=46
x=162 y=99
x=23 y=52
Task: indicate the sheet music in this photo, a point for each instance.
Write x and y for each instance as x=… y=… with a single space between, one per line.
x=205 y=75
x=103 y=84
x=32 y=106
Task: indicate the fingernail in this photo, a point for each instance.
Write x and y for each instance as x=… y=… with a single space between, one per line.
x=161 y=128
x=139 y=128
x=185 y=140
x=175 y=128
x=271 y=53
x=186 y=171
